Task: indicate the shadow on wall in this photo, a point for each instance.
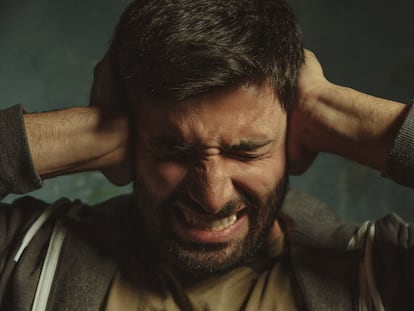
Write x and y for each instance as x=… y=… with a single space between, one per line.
x=48 y=57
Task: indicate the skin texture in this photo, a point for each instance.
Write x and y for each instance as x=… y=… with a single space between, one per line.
x=85 y=138
x=336 y=119
x=217 y=177
x=328 y=118
x=211 y=158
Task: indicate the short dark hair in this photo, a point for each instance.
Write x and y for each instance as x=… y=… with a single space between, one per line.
x=171 y=50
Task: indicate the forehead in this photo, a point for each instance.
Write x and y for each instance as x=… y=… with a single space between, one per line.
x=242 y=113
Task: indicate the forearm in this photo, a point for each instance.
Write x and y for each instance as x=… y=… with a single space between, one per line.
x=71 y=140
x=355 y=125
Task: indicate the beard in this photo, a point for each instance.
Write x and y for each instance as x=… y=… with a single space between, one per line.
x=198 y=260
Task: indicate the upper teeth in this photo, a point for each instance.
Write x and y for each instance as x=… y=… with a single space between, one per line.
x=208 y=222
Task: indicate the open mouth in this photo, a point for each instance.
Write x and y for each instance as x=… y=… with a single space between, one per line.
x=190 y=225
x=209 y=222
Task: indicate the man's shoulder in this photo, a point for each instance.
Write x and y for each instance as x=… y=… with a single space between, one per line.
x=109 y=209
x=314 y=222
x=104 y=221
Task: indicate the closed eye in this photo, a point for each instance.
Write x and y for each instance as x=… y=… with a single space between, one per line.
x=245 y=156
x=248 y=150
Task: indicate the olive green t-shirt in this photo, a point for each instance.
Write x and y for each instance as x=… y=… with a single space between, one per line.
x=244 y=288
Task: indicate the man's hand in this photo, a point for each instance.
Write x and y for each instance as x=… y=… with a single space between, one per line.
x=85 y=138
x=339 y=120
x=109 y=95
x=302 y=149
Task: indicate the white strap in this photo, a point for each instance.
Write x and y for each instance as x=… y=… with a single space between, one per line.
x=369 y=298
x=44 y=216
x=49 y=268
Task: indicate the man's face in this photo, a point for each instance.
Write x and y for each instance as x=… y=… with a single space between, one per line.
x=210 y=176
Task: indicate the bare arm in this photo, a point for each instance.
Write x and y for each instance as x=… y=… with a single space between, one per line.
x=70 y=140
x=84 y=138
x=340 y=120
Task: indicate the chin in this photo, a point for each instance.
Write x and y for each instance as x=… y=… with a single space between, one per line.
x=204 y=261
x=196 y=260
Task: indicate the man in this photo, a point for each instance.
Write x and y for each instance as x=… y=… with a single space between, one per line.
x=207 y=107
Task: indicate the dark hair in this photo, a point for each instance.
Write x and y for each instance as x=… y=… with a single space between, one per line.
x=171 y=50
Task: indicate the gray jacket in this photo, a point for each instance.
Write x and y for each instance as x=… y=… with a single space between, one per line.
x=326 y=270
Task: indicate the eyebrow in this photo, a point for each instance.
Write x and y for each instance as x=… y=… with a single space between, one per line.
x=243 y=145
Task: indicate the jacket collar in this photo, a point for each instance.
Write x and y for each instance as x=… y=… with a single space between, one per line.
x=325 y=272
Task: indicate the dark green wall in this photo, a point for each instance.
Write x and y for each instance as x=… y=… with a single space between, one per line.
x=48 y=50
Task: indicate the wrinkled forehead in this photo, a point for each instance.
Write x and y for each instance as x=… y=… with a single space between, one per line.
x=258 y=93
x=242 y=113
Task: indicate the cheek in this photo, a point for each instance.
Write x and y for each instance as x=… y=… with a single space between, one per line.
x=161 y=178
x=262 y=177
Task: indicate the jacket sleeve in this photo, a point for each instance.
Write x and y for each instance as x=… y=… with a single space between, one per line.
x=394 y=238
x=400 y=162
x=17 y=172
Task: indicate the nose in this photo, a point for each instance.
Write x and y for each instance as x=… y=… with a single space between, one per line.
x=211 y=185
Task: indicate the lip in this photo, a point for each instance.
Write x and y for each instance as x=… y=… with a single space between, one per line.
x=190 y=233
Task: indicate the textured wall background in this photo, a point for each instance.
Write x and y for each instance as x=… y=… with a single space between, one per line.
x=48 y=50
